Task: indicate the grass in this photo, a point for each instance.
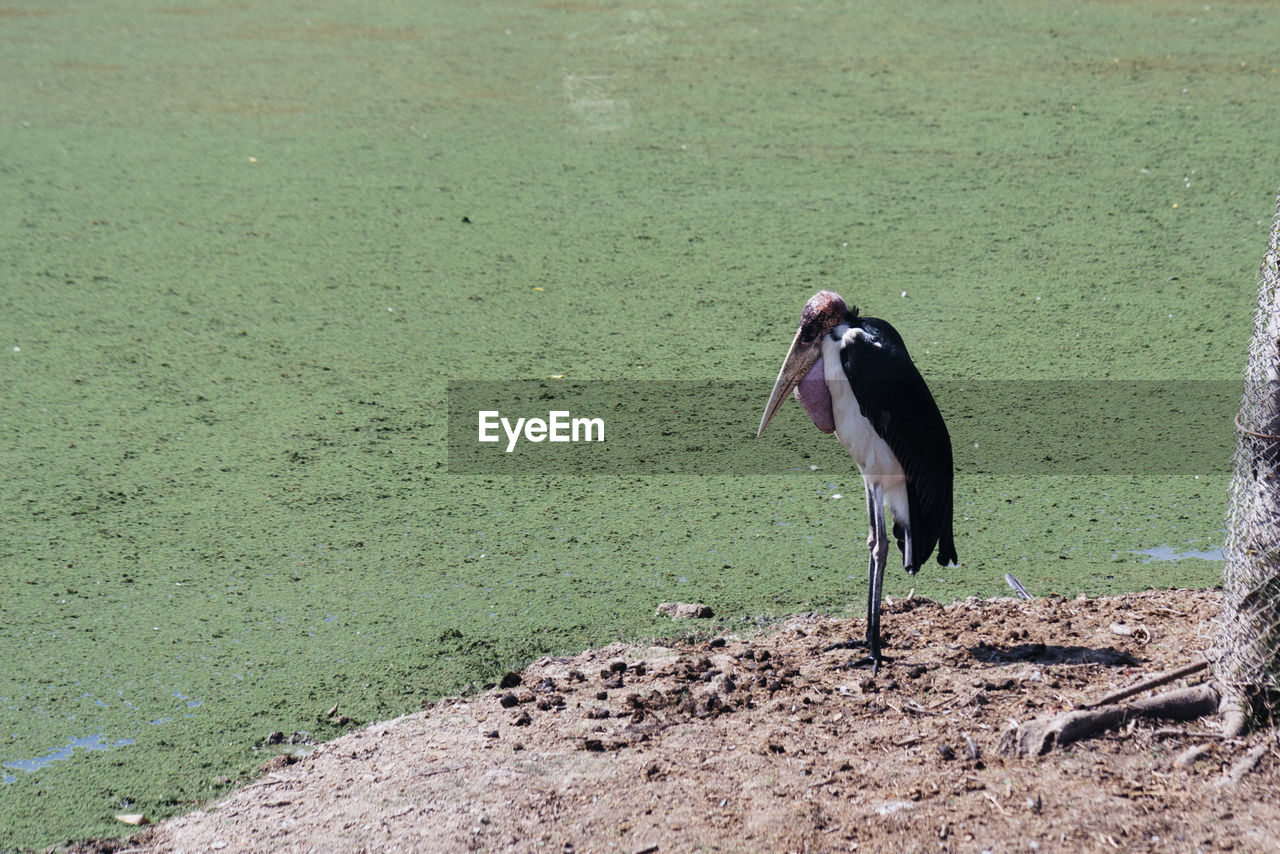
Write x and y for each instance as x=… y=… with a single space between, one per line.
x=246 y=248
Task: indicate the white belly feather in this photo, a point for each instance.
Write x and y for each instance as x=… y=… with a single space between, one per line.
x=874 y=458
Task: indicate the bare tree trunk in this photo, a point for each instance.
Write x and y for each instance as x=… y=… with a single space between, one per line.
x=1247 y=647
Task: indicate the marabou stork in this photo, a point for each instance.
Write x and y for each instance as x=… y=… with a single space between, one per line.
x=854 y=377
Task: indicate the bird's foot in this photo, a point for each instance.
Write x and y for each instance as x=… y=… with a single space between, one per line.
x=874 y=661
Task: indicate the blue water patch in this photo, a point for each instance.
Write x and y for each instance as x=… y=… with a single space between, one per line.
x=89 y=743
x=191 y=704
x=1170 y=553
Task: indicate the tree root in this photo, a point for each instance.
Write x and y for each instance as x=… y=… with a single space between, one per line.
x=1229 y=702
x=1243 y=766
x=1234 y=708
x=1039 y=736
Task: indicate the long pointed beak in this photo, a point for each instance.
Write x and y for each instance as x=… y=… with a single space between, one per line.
x=800 y=359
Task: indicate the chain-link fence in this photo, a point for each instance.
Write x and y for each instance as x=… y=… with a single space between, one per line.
x=1247 y=655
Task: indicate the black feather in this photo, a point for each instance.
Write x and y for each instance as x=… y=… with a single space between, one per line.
x=895 y=399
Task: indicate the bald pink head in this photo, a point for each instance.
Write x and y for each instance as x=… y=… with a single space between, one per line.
x=824 y=311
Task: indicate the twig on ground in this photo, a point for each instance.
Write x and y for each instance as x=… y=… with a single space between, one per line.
x=1153 y=682
x=915 y=708
x=1174 y=732
x=273 y=780
x=1243 y=766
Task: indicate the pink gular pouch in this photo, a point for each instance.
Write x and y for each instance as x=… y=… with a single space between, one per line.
x=813 y=394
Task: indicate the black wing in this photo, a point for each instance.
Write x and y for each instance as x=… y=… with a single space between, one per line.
x=895 y=399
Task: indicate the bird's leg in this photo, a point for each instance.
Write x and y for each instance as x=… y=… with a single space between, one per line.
x=878 y=545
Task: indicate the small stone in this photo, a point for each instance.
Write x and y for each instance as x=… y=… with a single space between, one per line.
x=685 y=610
x=891 y=807
x=522 y=719
x=276 y=763
x=508 y=701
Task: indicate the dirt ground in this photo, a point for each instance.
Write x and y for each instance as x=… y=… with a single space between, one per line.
x=770 y=742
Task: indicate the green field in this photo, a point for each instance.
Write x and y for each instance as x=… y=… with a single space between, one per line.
x=245 y=248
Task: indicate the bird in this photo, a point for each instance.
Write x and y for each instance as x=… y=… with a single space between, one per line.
x=854 y=377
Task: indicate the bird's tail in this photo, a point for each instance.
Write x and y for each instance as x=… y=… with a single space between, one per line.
x=947 y=549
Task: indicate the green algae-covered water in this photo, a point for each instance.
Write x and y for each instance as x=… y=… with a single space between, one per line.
x=247 y=250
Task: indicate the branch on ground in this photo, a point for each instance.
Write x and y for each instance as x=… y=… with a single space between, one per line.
x=1154 y=682
x=1039 y=736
